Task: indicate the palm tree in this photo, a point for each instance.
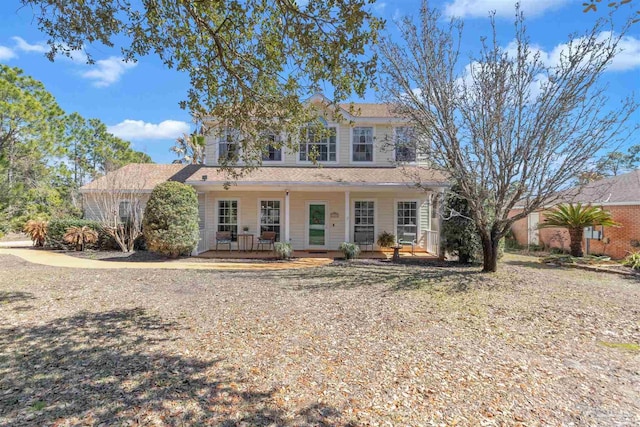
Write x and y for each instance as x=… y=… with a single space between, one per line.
x=80 y=236
x=190 y=148
x=575 y=217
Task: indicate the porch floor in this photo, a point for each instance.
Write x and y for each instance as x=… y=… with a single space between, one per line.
x=376 y=254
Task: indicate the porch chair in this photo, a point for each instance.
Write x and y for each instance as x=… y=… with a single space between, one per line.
x=223 y=238
x=409 y=239
x=364 y=239
x=266 y=238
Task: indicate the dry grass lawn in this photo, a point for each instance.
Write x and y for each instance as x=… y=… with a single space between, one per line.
x=369 y=343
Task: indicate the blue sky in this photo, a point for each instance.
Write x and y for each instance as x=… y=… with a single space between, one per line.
x=139 y=102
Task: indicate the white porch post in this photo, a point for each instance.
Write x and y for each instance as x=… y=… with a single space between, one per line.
x=287 y=217
x=347 y=215
x=441 y=202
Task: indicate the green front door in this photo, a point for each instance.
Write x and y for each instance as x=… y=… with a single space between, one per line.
x=317 y=216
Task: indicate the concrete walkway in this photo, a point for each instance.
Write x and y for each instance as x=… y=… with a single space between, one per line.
x=16 y=244
x=53 y=259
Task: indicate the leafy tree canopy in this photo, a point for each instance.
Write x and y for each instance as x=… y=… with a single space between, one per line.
x=592 y=6
x=45 y=155
x=249 y=61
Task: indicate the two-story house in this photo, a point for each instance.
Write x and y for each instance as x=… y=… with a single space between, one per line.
x=360 y=182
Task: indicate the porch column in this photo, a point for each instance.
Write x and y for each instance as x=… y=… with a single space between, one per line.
x=347 y=215
x=287 y=217
x=441 y=202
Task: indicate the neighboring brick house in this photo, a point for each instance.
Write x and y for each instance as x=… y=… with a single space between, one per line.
x=619 y=195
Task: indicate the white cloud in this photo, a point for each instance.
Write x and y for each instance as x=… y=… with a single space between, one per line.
x=138 y=129
x=503 y=8
x=107 y=71
x=379 y=6
x=627 y=58
x=6 y=53
x=22 y=45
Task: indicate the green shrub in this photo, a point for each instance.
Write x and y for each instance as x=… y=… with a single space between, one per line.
x=511 y=244
x=556 y=251
x=58 y=228
x=386 y=239
x=536 y=248
x=349 y=250
x=459 y=233
x=170 y=222
x=283 y=250
x=632 y=260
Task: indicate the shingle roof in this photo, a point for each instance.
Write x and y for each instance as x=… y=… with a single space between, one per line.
x=369 y=110
x=144 y=177
x=338 y=176
x=616 y=189
x=135 y=176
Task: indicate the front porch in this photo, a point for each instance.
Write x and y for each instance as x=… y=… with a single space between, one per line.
x=315 y=221
x=383 y=254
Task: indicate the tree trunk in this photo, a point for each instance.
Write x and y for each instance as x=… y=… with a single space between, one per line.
x=490 y=253
x=576 y=241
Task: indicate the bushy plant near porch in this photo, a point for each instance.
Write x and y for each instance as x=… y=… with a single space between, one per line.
x=283 y=250
x=170 y=224
x=349 y=250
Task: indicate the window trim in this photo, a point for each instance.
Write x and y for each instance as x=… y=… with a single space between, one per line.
x=282 y=151
x=217 y=213
x=218 y=141
x=258 y=219
x=395 y=217
x=373 y=146
x=120 y=202
x=329 y=125
x=375 y=218
x=395 y=141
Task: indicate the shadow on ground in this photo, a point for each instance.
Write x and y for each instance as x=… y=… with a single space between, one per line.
x=449 y=278
x=102 y=369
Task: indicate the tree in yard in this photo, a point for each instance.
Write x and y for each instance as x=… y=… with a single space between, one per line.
x=575 y=217
x=592 y=6
x=171 y=219
x=80 y=236
x=30 y=127
x=616 y=162
x=190 y=148
x=509 y=127
x=459 y=232
x=117 y=202
x=249 y=61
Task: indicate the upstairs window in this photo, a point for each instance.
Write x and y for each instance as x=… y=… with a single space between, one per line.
x=228 y=144
x=271 y=153
x=405 y=144
x=320 y=148
x=362 y=144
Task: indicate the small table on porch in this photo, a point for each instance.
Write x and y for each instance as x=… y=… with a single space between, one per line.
x=245 y=238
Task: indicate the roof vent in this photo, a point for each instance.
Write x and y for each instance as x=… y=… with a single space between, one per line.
x=204 y=177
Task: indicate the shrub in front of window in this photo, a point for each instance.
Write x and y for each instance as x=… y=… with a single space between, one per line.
x=283 y=250
x=349 y=250
x=170 y=222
